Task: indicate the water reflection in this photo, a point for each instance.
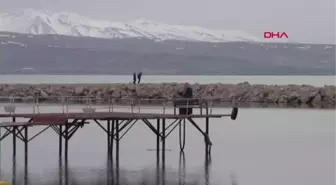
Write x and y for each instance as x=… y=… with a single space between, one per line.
x=182 y=169
x=60 y=171
x=262 y=147
x=14 y=172
x=207 y=163
x=68 y=176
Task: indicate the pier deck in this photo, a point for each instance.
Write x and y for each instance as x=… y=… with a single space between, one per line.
x=115 y=123
x=111 y=115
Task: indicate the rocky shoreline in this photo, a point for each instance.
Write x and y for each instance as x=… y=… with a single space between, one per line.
x=242 y=92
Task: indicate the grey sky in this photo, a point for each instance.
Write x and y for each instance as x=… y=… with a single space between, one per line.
x=302 y=20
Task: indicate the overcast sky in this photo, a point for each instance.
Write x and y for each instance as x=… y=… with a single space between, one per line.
x=302 y=20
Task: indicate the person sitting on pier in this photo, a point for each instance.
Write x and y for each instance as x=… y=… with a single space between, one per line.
x=187 y=93
x=139 y=77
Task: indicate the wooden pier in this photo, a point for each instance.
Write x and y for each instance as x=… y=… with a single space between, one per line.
x=115 y=124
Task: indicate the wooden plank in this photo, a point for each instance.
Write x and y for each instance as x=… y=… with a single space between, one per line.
x=48 y=120
x=10 y=124
x=189 y=106
x=60 y=118
x=186 y=102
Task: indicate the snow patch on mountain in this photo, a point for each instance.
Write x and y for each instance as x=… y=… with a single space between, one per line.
x=41 y=22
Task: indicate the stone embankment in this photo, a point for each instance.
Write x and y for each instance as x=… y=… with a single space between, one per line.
x=242 y=92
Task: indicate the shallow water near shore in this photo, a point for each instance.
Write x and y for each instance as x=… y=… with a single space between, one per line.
x=261 y=147
x=97 y=79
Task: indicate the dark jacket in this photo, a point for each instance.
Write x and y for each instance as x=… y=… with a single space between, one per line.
x=188 y=93
x=139 y=75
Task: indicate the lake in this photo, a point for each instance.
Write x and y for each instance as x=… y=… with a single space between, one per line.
x=263 y=146
x=63 y=79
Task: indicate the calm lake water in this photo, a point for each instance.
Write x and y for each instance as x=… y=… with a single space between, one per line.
x=62 y=79
x=262 y=147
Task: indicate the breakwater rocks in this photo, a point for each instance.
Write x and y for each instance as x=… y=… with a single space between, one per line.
x=242 y=92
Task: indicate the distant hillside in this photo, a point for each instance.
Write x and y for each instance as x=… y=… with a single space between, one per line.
x=54 y=54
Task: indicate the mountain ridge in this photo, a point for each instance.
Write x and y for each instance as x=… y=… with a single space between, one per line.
x=41 y=22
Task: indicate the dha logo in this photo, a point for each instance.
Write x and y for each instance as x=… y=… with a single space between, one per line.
x=278 y=35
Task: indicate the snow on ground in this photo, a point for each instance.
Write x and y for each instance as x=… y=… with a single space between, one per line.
x=37 y=22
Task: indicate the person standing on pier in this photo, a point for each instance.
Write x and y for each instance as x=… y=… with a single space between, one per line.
x=139 y=77
x=134 y=78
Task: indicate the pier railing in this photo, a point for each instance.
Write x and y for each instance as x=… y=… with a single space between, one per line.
x=68 y=104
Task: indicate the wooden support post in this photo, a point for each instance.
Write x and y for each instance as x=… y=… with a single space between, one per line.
x=108 y=171
x=26 y=140
x=66 y=145
x=66 y=142
x=14 y=139
x=117 y=139
x=117 y=150
x=163 y=173
x=157 y=175
x=112 y=148
x=14 y=143
x=158 y=140
x=60 y=148
x=206 y=137
x=14 y=151
x=182 y=134
x=207 y=146
x=112 y=137
x=163 y=141
x=108 y=140
x=60 y=141
x=26 y=144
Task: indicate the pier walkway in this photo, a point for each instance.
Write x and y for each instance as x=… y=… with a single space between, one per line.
x=114 y=116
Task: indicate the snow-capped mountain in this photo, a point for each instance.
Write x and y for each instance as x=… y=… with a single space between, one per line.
x=40 y=22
